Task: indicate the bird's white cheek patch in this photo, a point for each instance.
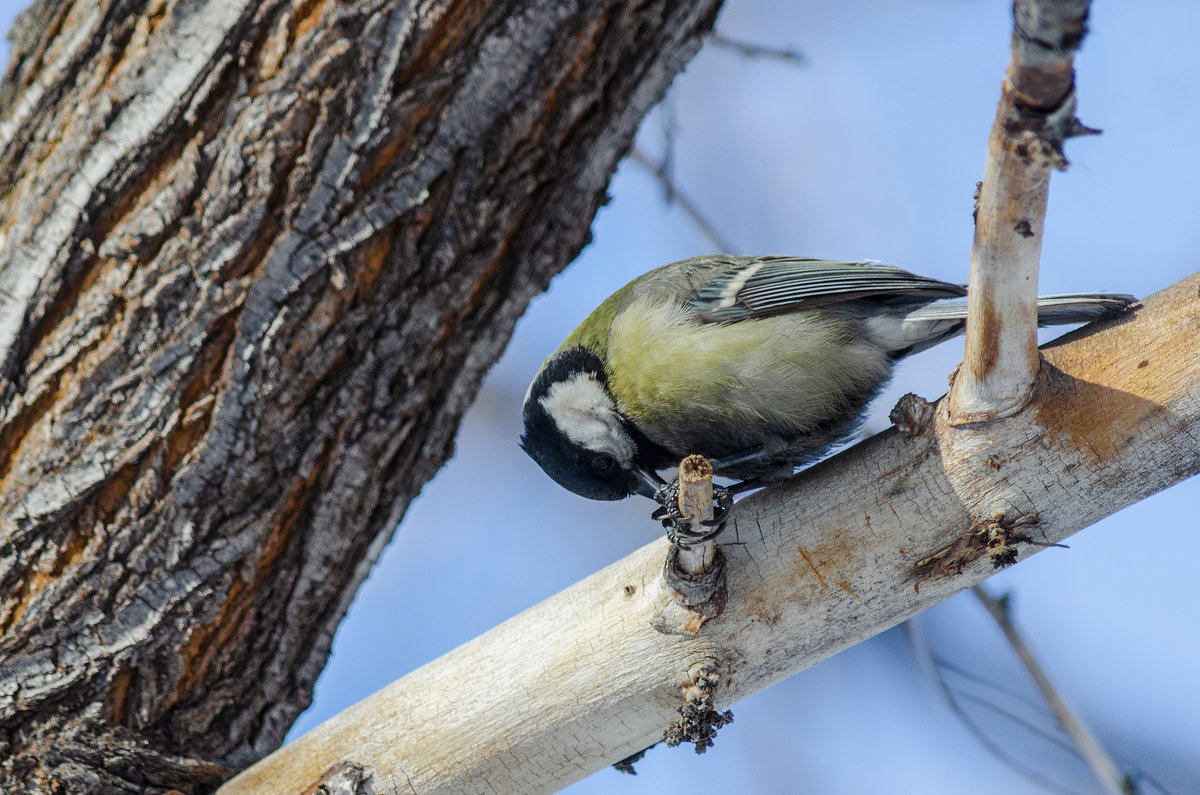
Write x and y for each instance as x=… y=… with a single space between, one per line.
x=584 y=412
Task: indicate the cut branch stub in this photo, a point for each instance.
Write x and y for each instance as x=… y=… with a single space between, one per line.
x=696 y=505
x=693 y=574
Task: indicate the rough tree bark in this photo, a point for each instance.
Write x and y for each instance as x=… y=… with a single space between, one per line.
x=254 y=260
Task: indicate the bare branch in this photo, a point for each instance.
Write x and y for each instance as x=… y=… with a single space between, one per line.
x=753 y=50
x=686 y=203
x=1036 y=115
x=1101 y=764
x=914 y=631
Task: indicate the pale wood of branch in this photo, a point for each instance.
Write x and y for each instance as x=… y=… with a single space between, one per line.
x=696 y=503
x=824 y=561
x=1036 y=114
x=693 y=576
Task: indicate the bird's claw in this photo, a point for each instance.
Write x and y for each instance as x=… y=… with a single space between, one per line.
x=723 y=498
x=679 y=529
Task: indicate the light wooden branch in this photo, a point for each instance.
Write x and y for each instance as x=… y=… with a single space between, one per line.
x=696 y=503
x=693 y=575
x=1036 y=115
x=847 y=549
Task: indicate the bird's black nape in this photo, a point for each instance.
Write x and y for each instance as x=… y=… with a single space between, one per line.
x=561 y=367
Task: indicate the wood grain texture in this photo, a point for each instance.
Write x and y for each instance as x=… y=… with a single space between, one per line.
x=830 y=558
x=254 y=260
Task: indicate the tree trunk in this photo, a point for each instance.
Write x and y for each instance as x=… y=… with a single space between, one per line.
x=254 y=260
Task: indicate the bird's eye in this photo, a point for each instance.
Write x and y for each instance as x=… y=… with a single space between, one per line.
x=603 y=464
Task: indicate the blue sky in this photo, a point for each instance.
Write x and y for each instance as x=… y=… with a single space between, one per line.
x=870 y=150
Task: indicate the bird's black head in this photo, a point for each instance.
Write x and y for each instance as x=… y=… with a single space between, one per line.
x=575 y=433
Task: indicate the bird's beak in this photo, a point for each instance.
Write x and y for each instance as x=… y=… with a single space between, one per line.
x=648 y=481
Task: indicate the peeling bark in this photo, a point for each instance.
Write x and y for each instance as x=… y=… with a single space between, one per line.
x=254 y=260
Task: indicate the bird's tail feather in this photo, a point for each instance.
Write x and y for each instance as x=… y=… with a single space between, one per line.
x=1053 y=310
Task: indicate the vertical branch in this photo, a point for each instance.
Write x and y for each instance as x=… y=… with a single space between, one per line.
x=1036 y=115
x=696 y=503
x=694 y=572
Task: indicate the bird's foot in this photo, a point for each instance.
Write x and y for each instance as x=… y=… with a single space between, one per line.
x=679 y=528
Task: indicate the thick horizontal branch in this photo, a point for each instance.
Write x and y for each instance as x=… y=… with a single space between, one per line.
x=847 y=549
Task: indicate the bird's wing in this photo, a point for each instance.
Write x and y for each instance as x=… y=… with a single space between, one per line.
x=768 y=286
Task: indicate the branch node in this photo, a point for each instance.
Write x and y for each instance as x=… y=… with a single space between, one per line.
x=693 y=598
x=995 y=537
x=698 y=721
x=344 y=778
x=912 y=415
x=694 y=589
x=1037 y=149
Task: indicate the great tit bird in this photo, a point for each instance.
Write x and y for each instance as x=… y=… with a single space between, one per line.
x=760 y=364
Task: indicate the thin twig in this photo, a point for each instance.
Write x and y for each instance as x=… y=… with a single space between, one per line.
x=670 y=130
x=989 y=683
x=675 y=195
x=752 y=50
x=1048 y=735
x=922 y=651
x=1102 y=765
